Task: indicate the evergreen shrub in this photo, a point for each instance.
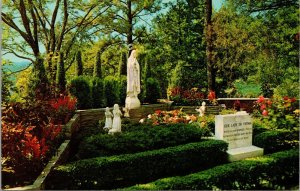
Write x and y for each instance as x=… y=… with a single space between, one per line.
x=80 y=88
x=124 y=170
x=146 y=138
x=276 y=171
x=111 y=90
x=152 y=90
x=97 y=92
x=122 y=88
x=274 y=141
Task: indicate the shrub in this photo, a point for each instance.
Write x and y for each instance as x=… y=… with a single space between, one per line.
x=274 y=141
x=278 y=112
x=79 y=87
x=123 y=170
x=152 y=90
x=191 y=96
x=64 y=108
x=147 y=138
x=97 y=92
x=123 y=88
x=275 y=171
x=28 y=140
x=111 y=90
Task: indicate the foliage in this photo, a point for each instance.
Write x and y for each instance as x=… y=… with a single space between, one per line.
x=111 y=90
x=246 y=89
x=79 y=88
x=123 y=170
x=123 y=64
x=79 y=66
x=97 y=66
x=61 y=75
x=207 y=123
x=274 y=141
x=278 y=112
x=29 y=138
x=7 y=87
x=38 y=84
x=64 y=108
x=261 y=173
x=97 y=87
x=143 y=138
x=186 y=97
x=122 y=88
x=152 y=90
x=179 y=33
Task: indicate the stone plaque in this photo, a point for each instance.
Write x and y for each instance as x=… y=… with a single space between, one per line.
x=236 y=129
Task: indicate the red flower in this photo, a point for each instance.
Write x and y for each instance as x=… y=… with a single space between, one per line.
x=269 y=102
x=293 y=99
x=211 y=95
x=265 y=113
x=285 y=98
x=260 y=99
x=158 y=112
x=263 y=107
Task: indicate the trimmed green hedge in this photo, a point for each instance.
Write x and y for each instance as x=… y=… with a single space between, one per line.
x=275 y=171
x=111 y=90
x=146 y=138
x=80 y=88
x=274 y=141
x=124 y=170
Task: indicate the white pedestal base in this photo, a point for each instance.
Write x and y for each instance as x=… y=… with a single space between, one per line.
x=244 y=152
x=132 y=102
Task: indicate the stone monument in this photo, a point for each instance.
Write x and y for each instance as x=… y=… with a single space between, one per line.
x=236 y=130
x=116 y=124
x=133 y=82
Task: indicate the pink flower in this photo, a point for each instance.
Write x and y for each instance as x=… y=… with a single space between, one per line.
x=265 y=113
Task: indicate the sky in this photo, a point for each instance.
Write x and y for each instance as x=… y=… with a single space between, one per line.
x=216 y=6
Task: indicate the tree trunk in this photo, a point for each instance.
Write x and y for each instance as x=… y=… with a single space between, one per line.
x=211 y=77
x=130 y=29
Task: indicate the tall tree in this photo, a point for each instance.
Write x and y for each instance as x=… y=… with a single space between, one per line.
x=61 y=76
x=97 y=66
x=127 y=16
x=123 y=64
x=57 y=26
x=79 y=68
x=177 y=39
x=211 y=78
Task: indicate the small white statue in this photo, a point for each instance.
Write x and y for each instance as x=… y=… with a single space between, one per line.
x=116 y=124
x=201 y=109
x=108 y=119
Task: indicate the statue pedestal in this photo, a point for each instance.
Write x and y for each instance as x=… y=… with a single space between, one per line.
x=132 y=102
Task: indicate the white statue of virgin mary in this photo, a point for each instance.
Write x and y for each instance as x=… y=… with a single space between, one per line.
x=133 y=82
